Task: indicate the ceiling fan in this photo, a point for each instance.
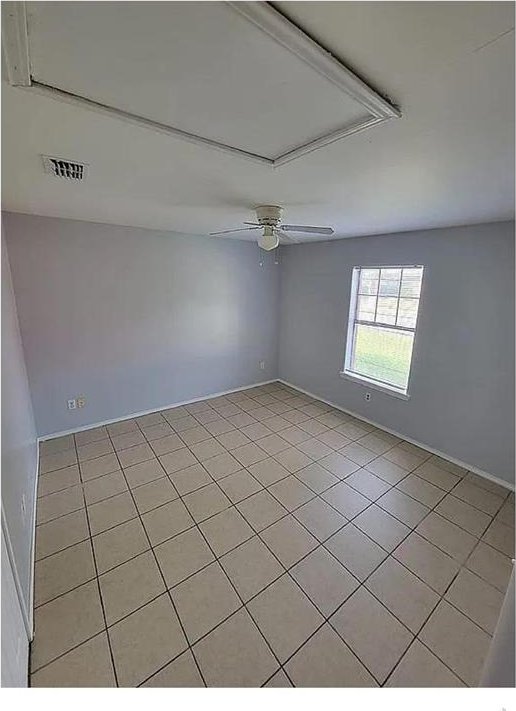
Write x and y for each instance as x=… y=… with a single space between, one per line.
x=269 y=220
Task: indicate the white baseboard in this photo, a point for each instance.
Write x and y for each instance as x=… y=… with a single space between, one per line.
x=33 y=549
x=44 y=438
x=465 y=465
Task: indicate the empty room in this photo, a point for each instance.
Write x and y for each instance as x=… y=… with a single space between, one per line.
x=258 y=350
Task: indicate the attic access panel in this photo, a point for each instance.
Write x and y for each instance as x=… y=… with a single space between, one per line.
x=234 y=75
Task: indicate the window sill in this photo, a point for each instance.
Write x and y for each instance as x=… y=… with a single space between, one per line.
x=373 y=385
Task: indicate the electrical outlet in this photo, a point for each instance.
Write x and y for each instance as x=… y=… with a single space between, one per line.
x=72 y=404
x=367 y=397
x=262 y=365
x=81 y=401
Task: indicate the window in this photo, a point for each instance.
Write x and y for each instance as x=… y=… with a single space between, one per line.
x=382 y=325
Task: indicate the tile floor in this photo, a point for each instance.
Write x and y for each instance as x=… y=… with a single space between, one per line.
x=263 y=539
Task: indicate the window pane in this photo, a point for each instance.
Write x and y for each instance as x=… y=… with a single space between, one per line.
x=386 y=310
x=411 y=282
x=382 y=354
x=366 y=307
x=390 y=282
x=368 y=281
x=407 y=313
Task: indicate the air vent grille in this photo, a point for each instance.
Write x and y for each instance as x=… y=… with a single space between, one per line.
x=64 y=168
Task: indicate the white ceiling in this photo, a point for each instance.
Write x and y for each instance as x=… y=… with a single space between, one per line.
x=448 y=160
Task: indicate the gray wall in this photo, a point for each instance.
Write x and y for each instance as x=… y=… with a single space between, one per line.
x=19 y=463
x=462 y=383
x=136 y=319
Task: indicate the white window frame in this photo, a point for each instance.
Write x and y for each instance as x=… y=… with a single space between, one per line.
x=350 y=374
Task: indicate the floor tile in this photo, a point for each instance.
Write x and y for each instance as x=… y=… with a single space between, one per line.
x=358 y=454
x=465 y=650
x=143 y=473
x=501 y=537
x=88 y=436
x=506 y=514
x=122 y=427
x=256 y=431
x=487 y=484
x=219 y=426
x=110 y=512
x=88 y=665
x=175 y=413
x=477 y=599
x=63 y=571
x=58 y=444
x=93 y=468
x=233 y=439
x=167 y=521
x=58 y=480
x=407 y=597
x=182 y=556
x=386 y=470
x=239 y=485
x=155 y=493
x=291 y=492
x=324 y=580
x=403 y=507
x=251 y=567
x=277 y=423
x=437 y=476
x=135 y=455
x=321 y=519
x=367 y=484
x=313 y=427
x=268 y=471
x=60 y=533
x=206 y=502
x=204 y=600
x=316 y=478
x=119 y=544
x=272 y=444
x=149 y=420
x=130 y=586
x=195 y=435
x=383 y=528
x=261 y=509
x=222 y=465
x=95 y=449
x=168 y=444
x=207 y=448
x=190 y=479
x=144 y=641
x=358 y=553
x=325 y=661
x=294 y=435
x=292 y=459
x=295 y=416
x=179 y=459
x=462 y=514
x=288 y=540
x=242 y=420
x=51 y=462
x=104 y=487
x=377 y=637
x=314 y=448
x=59 y=504
x=280 y=681
x=183 y=423
x=129 y=439
x=226 y=530
x=479 y=498
x=421 y=490
x=157 y=431
x=338 y=464
x=181 y=673
x=445 y=535
x=419 y=668
x=346 y=500
x=334 y=440
x=429 y=563
x=402 y=458
x=378 y=442
x=490 y=565
x=285 y=616
x=65 y=622
x=235 y=654
x=249 y=454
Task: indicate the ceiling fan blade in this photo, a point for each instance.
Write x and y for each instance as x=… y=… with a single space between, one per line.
x=252 y=223
x=239 y=229
x=307 y=228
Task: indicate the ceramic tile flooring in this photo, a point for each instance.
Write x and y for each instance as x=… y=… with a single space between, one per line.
x=263 y=539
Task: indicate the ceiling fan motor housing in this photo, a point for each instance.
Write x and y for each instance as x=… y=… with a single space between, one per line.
x=268 y=215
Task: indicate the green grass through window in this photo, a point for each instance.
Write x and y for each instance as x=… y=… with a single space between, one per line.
x=383 y=354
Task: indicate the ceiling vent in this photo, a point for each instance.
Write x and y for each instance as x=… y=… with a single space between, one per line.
x=64 y=168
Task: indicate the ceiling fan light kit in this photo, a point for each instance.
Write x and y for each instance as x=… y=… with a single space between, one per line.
x=269 y=219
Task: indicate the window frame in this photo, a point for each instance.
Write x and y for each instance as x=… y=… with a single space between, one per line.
x=350 y=374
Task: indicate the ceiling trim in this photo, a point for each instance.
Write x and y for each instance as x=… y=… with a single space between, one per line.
x=266 y=18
